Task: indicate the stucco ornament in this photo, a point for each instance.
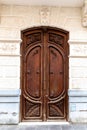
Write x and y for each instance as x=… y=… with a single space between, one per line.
x=45 y=15
x=84 y=14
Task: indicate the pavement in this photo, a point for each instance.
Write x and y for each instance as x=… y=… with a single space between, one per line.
x=44 y=127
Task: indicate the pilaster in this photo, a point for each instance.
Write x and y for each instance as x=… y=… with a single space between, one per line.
x=84 y=14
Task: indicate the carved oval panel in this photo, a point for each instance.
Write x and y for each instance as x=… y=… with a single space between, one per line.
x=56 y=70
x=33 y=72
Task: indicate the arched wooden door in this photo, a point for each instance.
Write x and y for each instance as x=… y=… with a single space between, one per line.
x=44 y=74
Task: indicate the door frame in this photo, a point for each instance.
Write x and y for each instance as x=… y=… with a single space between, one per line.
x=66 y=35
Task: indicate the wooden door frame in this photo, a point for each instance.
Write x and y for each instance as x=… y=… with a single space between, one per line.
x=66 y=34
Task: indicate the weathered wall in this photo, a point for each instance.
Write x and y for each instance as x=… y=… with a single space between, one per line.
x=13 y=19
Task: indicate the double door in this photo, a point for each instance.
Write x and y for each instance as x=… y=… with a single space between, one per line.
x=44 y=90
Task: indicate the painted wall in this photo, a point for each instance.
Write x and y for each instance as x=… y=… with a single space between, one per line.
x=13 y=19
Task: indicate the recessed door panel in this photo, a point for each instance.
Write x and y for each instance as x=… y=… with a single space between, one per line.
x=56 y=70
x=33 y=70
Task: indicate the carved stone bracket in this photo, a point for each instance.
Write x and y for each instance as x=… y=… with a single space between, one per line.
x=45 y=15
x=84 y=14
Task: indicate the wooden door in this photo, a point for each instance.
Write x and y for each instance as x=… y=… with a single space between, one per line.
x=44 y=74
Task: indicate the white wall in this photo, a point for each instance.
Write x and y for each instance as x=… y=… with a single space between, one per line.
x=13 y=19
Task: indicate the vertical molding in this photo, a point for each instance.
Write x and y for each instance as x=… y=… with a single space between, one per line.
x=84 y=14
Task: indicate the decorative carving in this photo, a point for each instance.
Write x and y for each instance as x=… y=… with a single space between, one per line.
x=57 y=109
x=78 y=50
x=60 y=105
x=45 y=15
x=84 y=14
x=32 y=38
x=32 y=109
x=56 y=39
x=53 y=112
x=9 y=48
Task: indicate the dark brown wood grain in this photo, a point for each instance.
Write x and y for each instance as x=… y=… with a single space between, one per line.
x=44 y=77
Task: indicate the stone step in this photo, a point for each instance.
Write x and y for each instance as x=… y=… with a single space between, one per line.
x=44 y=127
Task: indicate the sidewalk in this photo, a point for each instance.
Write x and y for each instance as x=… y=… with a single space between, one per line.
x=44 y=127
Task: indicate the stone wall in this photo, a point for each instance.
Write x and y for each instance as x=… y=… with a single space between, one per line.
x=13 y=19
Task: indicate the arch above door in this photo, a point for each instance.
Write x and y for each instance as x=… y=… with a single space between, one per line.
x=44 y=77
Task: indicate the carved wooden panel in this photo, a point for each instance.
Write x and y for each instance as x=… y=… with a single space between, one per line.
x=33 y=38
x=45 y=74
x=32 y=109
x=55 y=38
x=56 y=110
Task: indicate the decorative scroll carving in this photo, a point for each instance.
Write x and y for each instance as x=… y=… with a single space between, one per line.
x=56 y=39
x=84 y=14
x=53 y=111
x=45 y=15
x=32 y=38
x=32 y=109
x=60 y=105
x=57 y=109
